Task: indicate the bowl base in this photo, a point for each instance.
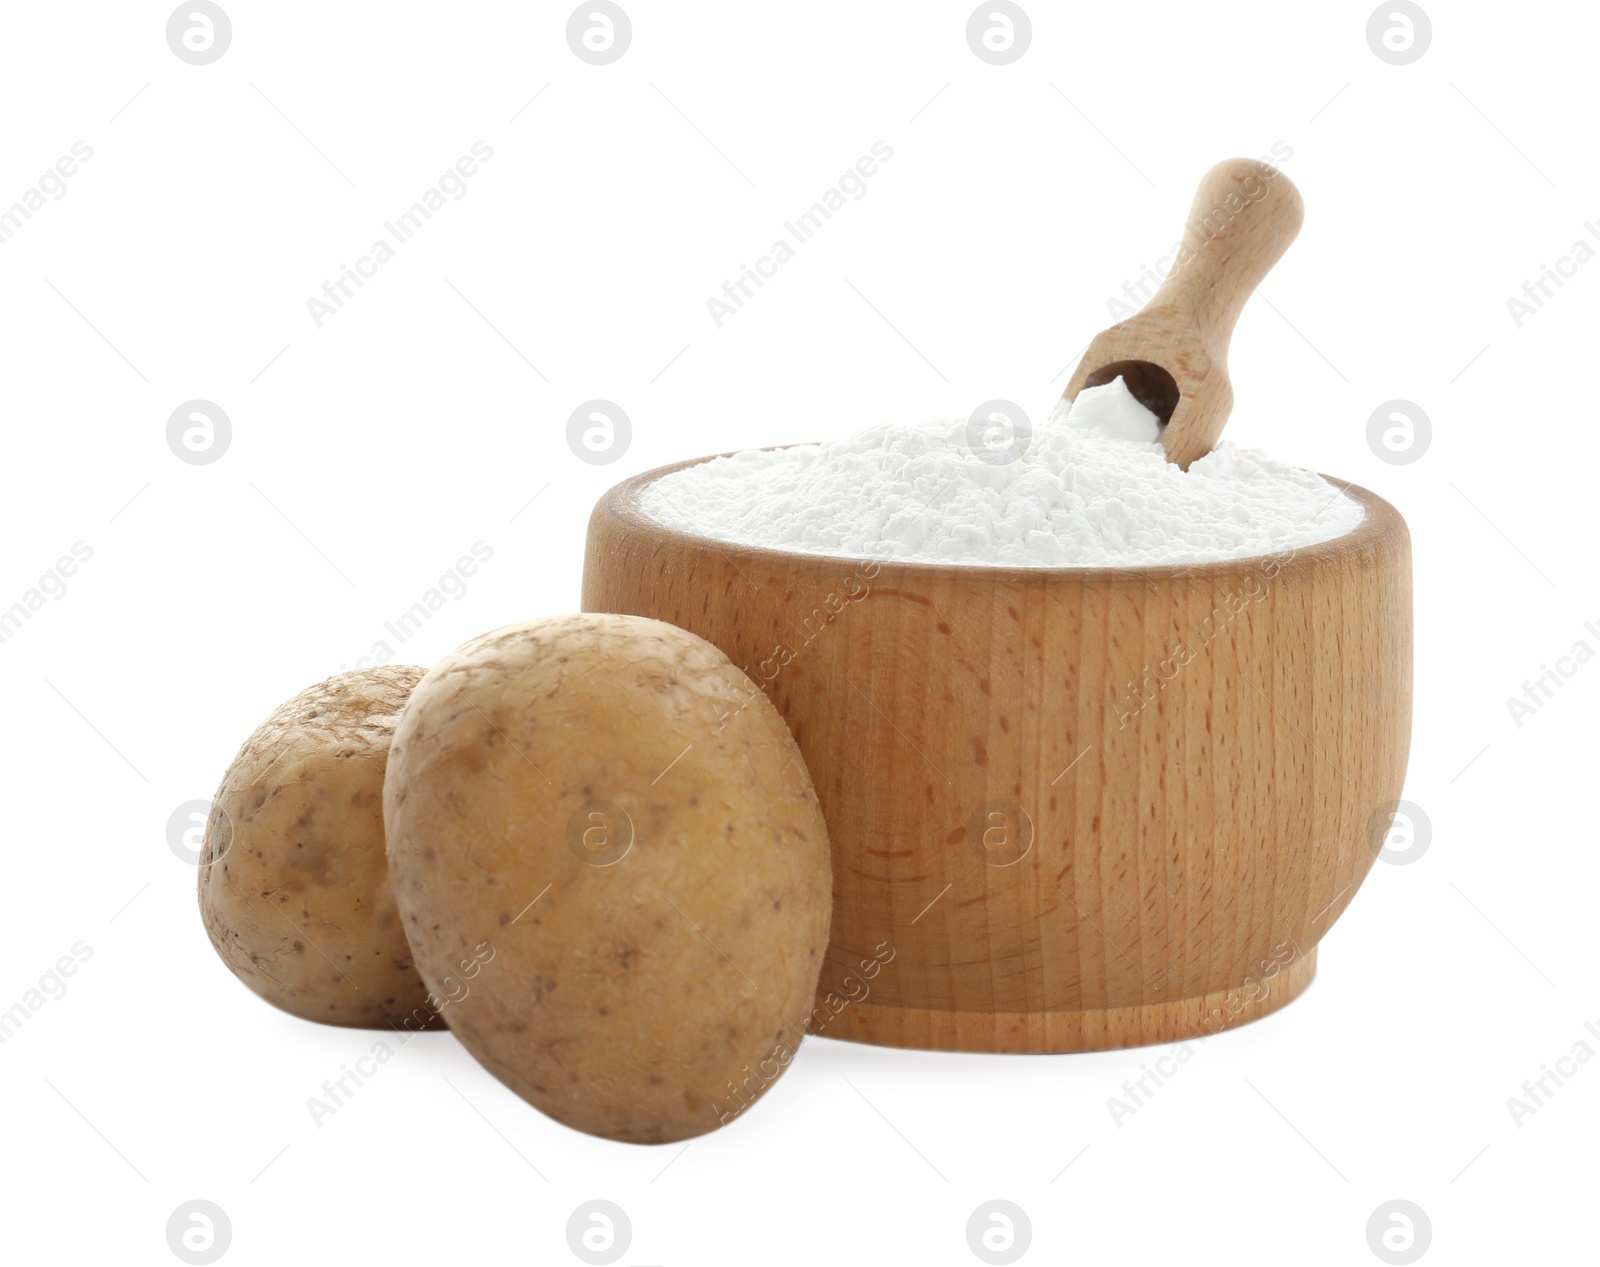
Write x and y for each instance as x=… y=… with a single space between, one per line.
x=1097 y=1029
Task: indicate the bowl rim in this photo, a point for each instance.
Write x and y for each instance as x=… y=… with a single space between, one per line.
x=1380 y=524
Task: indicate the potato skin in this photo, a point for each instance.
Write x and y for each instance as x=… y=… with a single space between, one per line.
x=649 y=997
x=297 y=900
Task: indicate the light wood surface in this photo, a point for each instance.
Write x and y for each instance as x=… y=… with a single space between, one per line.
x=1244 y=216
x=1188 y=841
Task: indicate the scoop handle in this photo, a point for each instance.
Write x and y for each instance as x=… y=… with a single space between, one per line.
x=1245 y=215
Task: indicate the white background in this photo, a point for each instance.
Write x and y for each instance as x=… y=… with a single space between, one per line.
x=370 y=453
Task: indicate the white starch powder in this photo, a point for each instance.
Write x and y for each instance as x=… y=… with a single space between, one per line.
x=1092 y=488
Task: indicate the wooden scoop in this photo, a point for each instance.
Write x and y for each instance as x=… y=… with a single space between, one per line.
x=1173 y=352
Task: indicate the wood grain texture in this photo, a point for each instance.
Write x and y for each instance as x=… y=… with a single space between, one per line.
x=1190 y=767
x=1245 y=215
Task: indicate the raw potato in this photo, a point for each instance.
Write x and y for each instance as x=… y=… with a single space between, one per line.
x=612 y=866
x=294 y=886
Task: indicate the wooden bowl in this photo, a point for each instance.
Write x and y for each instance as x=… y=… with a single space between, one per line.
x=1071 y=808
